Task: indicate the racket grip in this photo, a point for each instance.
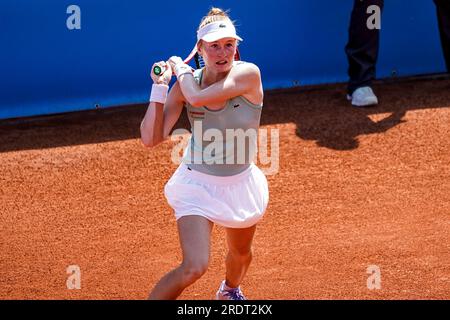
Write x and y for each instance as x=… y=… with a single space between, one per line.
x=158 y=70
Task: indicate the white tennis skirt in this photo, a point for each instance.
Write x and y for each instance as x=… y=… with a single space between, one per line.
x=237 y=201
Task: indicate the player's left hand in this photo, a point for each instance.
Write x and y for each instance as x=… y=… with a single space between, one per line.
x=174 y=60
x=178 y=66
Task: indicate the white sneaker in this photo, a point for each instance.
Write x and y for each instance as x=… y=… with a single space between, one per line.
x=232 y=294
x=363 y=97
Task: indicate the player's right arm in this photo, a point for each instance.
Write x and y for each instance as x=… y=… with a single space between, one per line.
x=160 y=118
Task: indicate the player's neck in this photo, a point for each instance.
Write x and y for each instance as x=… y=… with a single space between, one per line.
x=209 y=77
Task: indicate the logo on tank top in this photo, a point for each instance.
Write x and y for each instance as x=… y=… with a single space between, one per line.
x=197 y=115
x=236 y=105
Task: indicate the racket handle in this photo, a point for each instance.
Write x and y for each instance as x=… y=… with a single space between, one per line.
x=158 y=70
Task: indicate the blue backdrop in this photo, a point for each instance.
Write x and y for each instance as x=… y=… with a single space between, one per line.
x=47 y=68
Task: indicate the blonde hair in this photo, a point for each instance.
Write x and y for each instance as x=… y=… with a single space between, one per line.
x=214 y=14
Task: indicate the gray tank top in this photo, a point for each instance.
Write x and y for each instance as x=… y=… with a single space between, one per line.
x=223 y=142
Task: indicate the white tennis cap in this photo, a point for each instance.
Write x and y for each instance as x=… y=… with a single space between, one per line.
x=217 y=30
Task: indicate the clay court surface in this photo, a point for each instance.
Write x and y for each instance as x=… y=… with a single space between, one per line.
x=355 y=188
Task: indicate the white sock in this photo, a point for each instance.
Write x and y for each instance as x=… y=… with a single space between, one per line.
x=227 y=288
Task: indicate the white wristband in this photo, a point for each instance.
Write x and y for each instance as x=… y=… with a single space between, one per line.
x=182 y=68
x=159 y=93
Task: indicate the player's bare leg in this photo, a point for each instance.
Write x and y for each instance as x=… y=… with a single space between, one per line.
x=195 y=234
x=239 y=254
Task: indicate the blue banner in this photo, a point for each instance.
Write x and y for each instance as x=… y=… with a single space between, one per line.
x=59 y=56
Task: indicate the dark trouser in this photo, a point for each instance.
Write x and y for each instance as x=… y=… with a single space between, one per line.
x=362 y=46
x=443 y=16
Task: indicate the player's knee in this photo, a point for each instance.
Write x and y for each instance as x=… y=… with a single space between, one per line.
x=193 y=270
x=242 y=254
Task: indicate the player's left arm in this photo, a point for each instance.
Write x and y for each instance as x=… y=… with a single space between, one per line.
x=243 y=79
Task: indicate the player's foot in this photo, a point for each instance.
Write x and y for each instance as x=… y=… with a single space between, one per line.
x=363 y=97
x=229 y=294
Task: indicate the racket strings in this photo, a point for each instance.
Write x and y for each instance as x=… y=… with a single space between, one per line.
x=199 y=62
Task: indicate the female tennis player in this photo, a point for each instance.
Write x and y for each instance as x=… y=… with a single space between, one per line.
x=213 y=185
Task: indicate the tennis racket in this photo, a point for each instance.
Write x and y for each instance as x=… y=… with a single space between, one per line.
x=198 y=60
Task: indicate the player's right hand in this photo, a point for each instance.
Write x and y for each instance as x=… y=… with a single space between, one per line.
x=165 y=76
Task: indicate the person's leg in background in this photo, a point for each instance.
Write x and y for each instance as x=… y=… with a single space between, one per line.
x=362 y=54
x=443 y=16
